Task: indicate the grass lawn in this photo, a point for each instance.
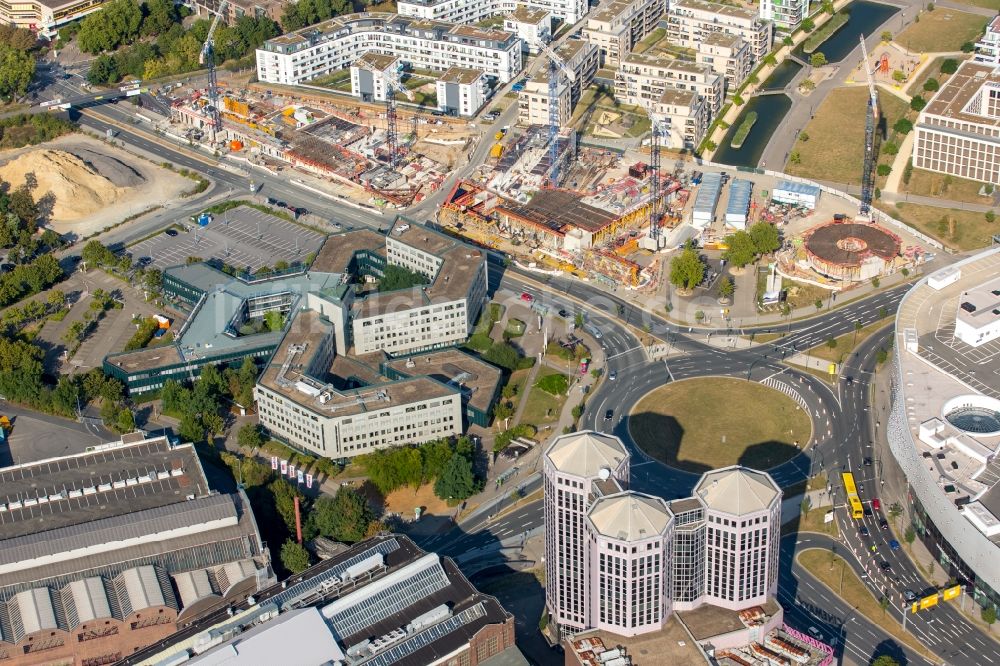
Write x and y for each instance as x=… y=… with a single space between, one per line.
x=835 y=149
x=543 y=408
x=988 y=4
x=836 y=574
x=681 y=424
x=932 y=71
x=930 y=184
x=649 y=40
x=845 y=343
x=958 y=229
x=942 y=30
x=340 y=80
x=814 y=521
x=801 y=294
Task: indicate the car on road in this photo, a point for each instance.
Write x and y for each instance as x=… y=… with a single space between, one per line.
x=171 y=232
x=526 y=297
x=298 y=211
x=608 y=415
x=868 y=462
x=863 y=531
x=861 y=487
x=564 y=314
x=909 y=595
x=867 y=510
x=893 y=544
x=883 y=524
x=876 y=504
x=850 y=380
x=815 y=633
x=613 y=375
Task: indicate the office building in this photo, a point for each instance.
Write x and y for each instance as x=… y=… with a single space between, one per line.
x=787 y=14
x=958 y=132
x=381 y=602
x=324 y=48
x=105 y=552
x=45 y=17
x=623 y=562
x=616 y=27
x=532 y=26
x=473 y=11
x=988 y=47
x=641 y=80
x=581 y=59
x=461 y=92
x=690 y=22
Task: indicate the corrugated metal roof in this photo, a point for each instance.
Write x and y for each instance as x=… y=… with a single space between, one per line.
x=193 y=586
x=89 y=598
x=130 y=526
x=708 y=193
x=233 y=572
x=143 y=588
x=36 y=609
x=739 y=197
x=798 y=188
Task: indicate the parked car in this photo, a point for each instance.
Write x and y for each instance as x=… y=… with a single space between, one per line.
x=171 y=232
x=564 y=314
x=815 y=633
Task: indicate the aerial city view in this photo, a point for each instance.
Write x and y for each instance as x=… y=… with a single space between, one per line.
x=500 y=332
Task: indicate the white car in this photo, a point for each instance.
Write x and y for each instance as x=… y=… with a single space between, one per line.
x=815 y=633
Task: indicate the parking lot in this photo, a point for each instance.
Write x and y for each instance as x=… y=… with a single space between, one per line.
x=242 y=237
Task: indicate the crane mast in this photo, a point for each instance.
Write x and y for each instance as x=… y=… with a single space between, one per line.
x=556 y=65
x=871 y=139
x=207 y=58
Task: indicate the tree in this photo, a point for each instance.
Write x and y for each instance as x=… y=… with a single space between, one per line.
x=726 y=287
x=769 y=59
x=898 y=75
x=284 y=495
x=909 y=535
x=686 y=269
x=788 y=41
x=989 y=614
x=160 y=16
x=95 y=254
x=949 y=66
x=191 y=428
x=831 y=343
x=456 y=480
x=397 y=277
x=503 y=355
x=883 y=603
x=968 y=47
x=738 y=101
x=991 y=216
x=16 y=69
x=808 y=25
x=876 y=282
x=344 y=517
x=890 y=148
x=885 y=660
x=116 y=24
x=795 y=157
x=931 y=84
x=740 y=249
x=294 y=557
x=917 y=103
x=274 y=321
x=886 y=36
x=765 y=237
x=803 y=136
x=903 y=126
x=817 y=59
x=804 y=506
x=249 y=436
x=883 y=169
x=819 y=303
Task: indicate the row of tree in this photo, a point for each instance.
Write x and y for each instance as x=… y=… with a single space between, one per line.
x=199 y=407
x=17 y=61
x=159 y=44
x=743 y=247
x=29 y=279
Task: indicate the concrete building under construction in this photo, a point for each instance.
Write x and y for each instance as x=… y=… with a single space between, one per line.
x=851 y=252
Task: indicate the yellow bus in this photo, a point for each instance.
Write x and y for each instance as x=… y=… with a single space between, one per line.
x=857 y=511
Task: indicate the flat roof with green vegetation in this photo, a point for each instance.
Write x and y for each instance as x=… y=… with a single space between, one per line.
x=942 y=30
x=683 y=424
x=835 y=147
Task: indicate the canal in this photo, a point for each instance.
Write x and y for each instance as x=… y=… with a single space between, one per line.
x=782 y=75
x=866 y=17
x=770 y=110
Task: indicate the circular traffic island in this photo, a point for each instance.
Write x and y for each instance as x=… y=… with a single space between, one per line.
x=711 y=422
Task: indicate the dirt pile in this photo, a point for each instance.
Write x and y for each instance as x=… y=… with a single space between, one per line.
x=77 y=187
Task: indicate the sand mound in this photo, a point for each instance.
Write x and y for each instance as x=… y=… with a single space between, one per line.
x=79 y=190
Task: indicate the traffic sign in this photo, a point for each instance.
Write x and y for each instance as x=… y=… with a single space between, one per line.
x=927 y=602
x=951 y=592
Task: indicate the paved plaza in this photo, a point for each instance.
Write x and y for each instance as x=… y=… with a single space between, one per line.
x=242 y=237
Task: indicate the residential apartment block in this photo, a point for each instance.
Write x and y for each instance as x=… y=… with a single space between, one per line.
x=958 y=132
x=582 y=60
x=690 y=22
x=471 y=11
x=642 y=80
x=335 y=44
x=988 y=47
x=786 y=14
x=461 y=92
x=532 y=26
x=372 y=74
x=728 y=55
x=615 y=28
x=623 y=562
x=682 y=118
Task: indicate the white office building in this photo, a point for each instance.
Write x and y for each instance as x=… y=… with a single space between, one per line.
x=958 y=132
x=332 y=45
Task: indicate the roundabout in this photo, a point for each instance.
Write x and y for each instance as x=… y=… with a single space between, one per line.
x=705 y=423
